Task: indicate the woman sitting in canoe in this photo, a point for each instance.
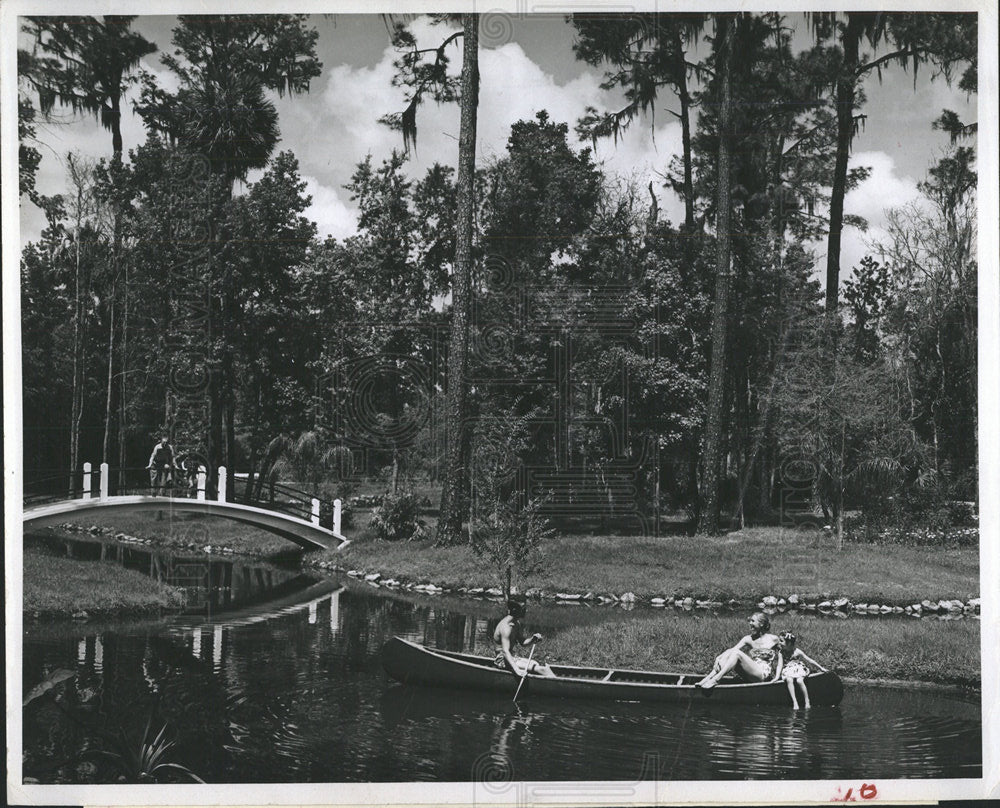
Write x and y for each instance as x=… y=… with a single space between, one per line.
x=508 y=633
x=754 y=658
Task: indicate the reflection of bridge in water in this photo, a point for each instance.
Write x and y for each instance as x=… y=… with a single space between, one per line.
x=287 y=512
x=205 y=640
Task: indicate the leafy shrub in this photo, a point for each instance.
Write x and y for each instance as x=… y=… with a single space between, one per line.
x=396 y=518
x=937 y=532
x=917 y=515
x=961 y=513
x=510 y=540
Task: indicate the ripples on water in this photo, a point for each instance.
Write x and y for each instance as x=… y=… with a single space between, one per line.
x=294 y=692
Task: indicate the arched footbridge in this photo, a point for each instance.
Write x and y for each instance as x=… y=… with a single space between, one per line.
x=308 y=521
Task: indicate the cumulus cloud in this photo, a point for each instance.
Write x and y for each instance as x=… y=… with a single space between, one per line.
x=343 y=127
x=884 y=189
x=332 y=216
x=336 y=126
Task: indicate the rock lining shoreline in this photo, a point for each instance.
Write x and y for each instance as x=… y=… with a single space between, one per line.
x=823 y=603
x=770 y=604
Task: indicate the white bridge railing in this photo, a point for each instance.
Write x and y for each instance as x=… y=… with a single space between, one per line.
x=200 y=491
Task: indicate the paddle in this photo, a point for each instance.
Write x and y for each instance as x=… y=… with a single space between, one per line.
x=525 y=676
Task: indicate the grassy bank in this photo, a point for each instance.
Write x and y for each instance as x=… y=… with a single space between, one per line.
x=945 y=652
x=62 y=587
x=743 y=566
x=187 y=531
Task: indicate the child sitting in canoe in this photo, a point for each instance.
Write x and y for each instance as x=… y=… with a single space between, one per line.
x=793 y=667
x=509 y=633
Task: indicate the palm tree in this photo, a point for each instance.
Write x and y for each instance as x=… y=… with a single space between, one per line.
x=306 y=460
x=225 y=63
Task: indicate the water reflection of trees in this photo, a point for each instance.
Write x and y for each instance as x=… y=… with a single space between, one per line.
x=301 y=696
x=772 y=743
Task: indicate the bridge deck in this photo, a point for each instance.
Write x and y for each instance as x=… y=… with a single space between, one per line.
x=305 y=534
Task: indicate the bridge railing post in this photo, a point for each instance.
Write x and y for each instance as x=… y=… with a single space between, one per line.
x=315 y=511
x=337 y=506
x=105 y=480
x=221 y=495
x=201 y=482
x=86 y=480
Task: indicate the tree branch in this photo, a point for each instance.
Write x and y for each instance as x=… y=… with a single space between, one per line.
x=888 y=58
x=439 y=48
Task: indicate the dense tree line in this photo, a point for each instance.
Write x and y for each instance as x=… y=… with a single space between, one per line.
x=654 y=366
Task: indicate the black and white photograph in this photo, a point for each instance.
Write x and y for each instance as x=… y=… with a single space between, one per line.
x=500 y=404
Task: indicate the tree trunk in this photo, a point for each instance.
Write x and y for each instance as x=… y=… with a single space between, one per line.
x=839 y=504
x=106 y=446
x=251 y=476
x=696 y=503
x=846 y=90
x=717 y=373
x=116 y=126
x=76 y=407
x=764 y=430
x=680 y=68
x=116 y=264
x=229 y=455
x=123 y=372
x=215 y=424
x=765 y=476
x=449 y=529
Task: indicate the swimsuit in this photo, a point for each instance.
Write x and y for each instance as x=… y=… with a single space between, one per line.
x=794 y=670
x=499 y=660
x=764 y=657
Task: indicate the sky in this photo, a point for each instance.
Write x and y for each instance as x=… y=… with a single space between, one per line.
x=526 y=64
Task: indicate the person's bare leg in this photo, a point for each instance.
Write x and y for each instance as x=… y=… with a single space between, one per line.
x=805 y=692
x=542 y=670
x=791 y=692
x=730 y=661
x=724 y=662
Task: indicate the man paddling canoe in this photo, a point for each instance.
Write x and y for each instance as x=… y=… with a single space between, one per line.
x=508 y=633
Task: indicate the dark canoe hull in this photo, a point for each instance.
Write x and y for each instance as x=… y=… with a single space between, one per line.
x=414 y=664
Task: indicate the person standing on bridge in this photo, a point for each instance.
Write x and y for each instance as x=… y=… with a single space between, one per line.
x=161 y=464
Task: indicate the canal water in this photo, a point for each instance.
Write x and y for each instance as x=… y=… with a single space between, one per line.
x=276 y=677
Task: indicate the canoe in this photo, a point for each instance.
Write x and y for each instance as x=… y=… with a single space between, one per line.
x=411 y=663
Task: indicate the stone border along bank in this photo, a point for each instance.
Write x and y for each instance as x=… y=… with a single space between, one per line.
x=770 y=604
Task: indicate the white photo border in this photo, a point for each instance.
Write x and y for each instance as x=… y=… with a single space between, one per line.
x=413 y=794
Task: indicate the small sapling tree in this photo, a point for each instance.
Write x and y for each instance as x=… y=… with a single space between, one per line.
x=507 y=529
x=509 y=538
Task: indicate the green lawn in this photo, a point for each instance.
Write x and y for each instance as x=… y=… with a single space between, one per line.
x=744 y=566
x=895 y=648
x=62 y=586
x=184 y=530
